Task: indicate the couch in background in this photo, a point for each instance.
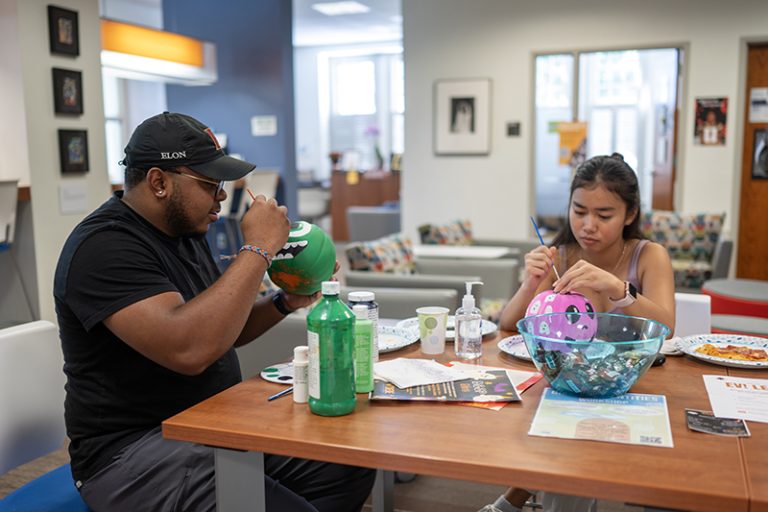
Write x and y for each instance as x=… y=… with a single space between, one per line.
x=389 y=262
x=695 y=243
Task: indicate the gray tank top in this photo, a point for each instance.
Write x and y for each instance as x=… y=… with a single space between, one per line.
x=632 y=276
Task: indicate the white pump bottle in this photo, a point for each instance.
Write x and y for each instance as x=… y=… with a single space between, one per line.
x=469 y=323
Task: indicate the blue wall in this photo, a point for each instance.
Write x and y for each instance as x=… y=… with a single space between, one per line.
x=255 y=65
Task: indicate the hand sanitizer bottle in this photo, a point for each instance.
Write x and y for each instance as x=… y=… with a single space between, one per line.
x=469 y=335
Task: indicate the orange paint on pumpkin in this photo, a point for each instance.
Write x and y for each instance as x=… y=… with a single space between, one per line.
x=292 y=280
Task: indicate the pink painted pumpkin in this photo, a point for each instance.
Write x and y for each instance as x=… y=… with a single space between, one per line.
x=579 y=322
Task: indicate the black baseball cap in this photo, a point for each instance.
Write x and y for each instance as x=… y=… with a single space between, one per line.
x=174 y=140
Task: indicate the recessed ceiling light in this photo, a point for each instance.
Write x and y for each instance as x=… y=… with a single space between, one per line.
x=340 y=8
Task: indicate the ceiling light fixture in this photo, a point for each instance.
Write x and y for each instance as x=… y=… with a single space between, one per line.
x=340 y=8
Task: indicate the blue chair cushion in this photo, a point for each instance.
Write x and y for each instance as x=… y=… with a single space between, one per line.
x=53 y=492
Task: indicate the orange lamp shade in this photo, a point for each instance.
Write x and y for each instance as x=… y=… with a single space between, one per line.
x=147 y=42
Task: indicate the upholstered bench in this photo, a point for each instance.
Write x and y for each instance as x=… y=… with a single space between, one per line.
x=740 y=324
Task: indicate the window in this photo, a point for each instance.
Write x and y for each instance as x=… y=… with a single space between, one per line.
x=354 y=88
x=619 y=95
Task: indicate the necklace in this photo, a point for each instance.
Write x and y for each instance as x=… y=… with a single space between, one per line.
x=621 y=257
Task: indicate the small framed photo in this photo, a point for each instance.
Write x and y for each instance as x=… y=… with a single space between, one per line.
x=73 y=150
x=67 y=91
x=760 y=155
x=63 y=31
x=463 y=117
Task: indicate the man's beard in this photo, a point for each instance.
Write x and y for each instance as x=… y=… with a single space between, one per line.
x=178 y=221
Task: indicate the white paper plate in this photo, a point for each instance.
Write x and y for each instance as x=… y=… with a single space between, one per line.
x=412 y=324
x=395 y=338
x=281 y=373
x=515 y=346
x=689 y=344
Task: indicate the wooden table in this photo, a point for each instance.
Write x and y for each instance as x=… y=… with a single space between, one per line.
x=701 y=473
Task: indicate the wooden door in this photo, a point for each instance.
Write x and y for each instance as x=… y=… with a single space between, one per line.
x=752 y=260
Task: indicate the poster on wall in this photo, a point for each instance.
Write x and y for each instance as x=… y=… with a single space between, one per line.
x=760 y=155
x=573 y=143
x=711 y=121
x=462 y=117
x=758 y=105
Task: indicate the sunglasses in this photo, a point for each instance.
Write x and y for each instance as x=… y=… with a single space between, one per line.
x=216 y=186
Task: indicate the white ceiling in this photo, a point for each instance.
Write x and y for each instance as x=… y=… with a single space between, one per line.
x=312 y=28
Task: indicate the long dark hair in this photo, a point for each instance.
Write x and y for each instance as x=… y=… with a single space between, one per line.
x=616 y=176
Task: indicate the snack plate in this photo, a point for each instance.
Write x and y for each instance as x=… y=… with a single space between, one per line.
x=515 y=346
x=395 y=338
x=412 y=324
x=689 y=344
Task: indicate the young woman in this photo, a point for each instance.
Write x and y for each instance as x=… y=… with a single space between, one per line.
x=601 y=254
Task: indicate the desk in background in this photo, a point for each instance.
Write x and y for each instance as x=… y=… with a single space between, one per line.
x=374 y=188
x=464 y=252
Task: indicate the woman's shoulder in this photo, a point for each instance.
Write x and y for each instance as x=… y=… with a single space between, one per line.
x=652 y=252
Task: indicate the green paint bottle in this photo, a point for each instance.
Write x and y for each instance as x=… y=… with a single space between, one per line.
x=330 y=337
x=363 y=349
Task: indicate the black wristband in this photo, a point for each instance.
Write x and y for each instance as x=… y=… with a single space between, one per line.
x=279 y=301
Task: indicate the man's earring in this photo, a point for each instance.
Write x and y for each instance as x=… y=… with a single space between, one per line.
x=161 y=192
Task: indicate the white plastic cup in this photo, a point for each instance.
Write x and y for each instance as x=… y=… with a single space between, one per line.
x=432 y=322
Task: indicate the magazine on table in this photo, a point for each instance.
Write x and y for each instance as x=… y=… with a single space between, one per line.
x=490 y=386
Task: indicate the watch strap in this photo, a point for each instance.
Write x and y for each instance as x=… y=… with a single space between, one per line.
x=278 y=299
x=630 y=296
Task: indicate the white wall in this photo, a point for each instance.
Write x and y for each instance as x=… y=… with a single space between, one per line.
x=498 y=39
x=13 y=134
x=50 y=226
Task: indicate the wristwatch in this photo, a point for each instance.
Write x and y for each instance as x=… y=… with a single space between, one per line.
x=630 y=296
x=279 y=301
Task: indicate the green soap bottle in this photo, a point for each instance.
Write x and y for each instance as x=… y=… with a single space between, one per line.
x=330 y=337
x=363 y=349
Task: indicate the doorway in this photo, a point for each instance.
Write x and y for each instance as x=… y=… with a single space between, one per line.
x=628 y=100
x=753 y=210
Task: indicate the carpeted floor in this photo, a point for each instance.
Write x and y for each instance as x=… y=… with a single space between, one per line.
x=423 y=494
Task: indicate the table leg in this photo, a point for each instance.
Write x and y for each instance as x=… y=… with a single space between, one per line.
x=239 y=481
x=383 y=491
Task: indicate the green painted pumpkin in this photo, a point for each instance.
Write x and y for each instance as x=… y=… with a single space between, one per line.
x=305 y=261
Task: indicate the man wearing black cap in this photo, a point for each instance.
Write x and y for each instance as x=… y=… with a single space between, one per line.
x=148 y=326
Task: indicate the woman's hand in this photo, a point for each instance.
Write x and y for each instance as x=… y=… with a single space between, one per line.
x=538 y=264
x=587 y=276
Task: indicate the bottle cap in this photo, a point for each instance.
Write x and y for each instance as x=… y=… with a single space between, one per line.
x=330 y=287
x=361 y=311
x=301 y=354
x=468 y=302
x=361 y=296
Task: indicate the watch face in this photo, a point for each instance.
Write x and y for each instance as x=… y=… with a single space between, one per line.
x=632 y=290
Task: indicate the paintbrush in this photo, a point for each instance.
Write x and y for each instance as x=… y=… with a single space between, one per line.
x=536 y=227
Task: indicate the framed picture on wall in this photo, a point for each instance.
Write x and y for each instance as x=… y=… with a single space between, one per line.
x=63 y=31
x=760 y=155
x=67 y=91
x=73 y=150
x=462 y=117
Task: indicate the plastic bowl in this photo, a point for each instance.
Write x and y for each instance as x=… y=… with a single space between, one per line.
x=618 y=351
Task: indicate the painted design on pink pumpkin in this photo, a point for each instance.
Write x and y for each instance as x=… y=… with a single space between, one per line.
x=579 y=322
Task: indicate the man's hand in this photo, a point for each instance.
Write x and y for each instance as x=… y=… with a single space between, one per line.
x=266 y=225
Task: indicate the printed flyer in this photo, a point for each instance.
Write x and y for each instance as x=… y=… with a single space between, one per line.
x=631 y=418
x=492 y=386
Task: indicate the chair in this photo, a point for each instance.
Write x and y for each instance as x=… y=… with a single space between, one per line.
x=8 y=205
x=32 y=416
x=696 y=247
x=693 y=314
x=313 y=203
x=8 y=197
x=371 y=222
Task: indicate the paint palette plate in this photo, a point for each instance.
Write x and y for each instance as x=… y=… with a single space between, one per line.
x=412 y=324
x=281 y=373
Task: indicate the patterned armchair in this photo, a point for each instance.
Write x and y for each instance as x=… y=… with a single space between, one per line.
x=696 y=247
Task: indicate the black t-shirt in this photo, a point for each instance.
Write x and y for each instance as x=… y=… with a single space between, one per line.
x=114 y=395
